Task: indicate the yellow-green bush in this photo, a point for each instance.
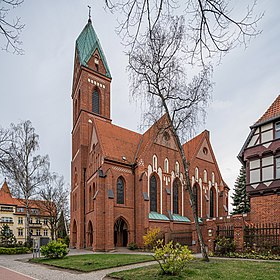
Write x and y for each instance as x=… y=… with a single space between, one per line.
x=151 y=237
x=172 y=258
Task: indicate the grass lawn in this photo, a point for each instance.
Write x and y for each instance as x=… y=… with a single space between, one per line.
x=93 y=262
x=215 y=269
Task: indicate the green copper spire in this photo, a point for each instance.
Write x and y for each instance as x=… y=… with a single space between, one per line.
x=86 y=45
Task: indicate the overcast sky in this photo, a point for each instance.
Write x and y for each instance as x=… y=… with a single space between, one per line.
x=37 y=85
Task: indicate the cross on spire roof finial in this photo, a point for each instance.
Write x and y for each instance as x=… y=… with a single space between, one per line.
x=89 y=13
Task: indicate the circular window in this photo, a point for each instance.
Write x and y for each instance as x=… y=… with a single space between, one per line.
x=205 y=151
x=166 y=136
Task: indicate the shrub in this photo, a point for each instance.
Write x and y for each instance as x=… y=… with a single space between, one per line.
x=151 y=237
x=65 y=240
x=172 y=258
x=54 y=250
x=224 y=246
x=14 y=251
x=132 y=246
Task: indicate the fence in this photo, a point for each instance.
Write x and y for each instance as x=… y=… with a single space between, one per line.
x=262 y=236
x=182 y=237
x=225 y=231
x=256 y=237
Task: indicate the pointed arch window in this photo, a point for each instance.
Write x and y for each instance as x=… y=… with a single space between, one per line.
x=196 y=173
x=154 y=163
x=95 y=102
x=120 y=191
x=176 y=197
x=195 y=195
x=213 y=178
x=177 y=168
x=153 y=194
x=166 y=166
x=212 y=202
x=205 y=176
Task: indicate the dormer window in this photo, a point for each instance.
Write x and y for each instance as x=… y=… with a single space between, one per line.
x=96 y=63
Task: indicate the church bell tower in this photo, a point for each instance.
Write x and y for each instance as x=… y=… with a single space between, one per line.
x=90 y=97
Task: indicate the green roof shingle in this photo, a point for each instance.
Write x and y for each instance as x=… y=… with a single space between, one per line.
x=87 y=43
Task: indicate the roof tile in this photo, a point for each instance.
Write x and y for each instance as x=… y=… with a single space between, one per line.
x=272 y=112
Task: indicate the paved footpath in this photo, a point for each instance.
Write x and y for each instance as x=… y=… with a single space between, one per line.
x=17 y=267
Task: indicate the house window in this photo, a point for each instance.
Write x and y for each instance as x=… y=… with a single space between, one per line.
x=267 y=168
x=37 y=221
x=38 y=232
x=7 y=220
x=45 y=232
x=176 y=197
x=205 y=176
x=277 y=168
x=120 y=191
x=20 y=220
x=212 y=202
x=20 y=209
x=95 y=102
x=255 y=174
x=166 y=166
x=20 y=232
x=45 y=221
x=153 y=194
x=277 y=130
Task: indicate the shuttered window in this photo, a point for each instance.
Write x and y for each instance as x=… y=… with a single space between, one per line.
x=95 y=102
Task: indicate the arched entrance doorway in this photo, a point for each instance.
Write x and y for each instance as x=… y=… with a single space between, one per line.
x=74 y=234
x=120 y=233
x=90 y=234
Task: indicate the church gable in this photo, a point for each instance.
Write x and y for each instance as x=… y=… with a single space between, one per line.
x=166 y=139
x=96 y=63
x=205 y=152
x=94 y=139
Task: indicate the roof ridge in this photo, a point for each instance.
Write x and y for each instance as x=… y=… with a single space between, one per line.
x=272 y=111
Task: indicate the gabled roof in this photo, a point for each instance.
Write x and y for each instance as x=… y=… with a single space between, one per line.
x=87 y=43
x=6 y=198
x=192 y=146
x=271 y=113
x=151 y=134
x=117 y=142
x=5 y=195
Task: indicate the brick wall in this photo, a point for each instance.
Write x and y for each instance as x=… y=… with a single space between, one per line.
x=265 y=209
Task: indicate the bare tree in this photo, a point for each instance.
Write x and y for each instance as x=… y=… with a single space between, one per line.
x=159 y=76
x=10 y=28
x=54 y=202
x=21 y=164
x=213 y=26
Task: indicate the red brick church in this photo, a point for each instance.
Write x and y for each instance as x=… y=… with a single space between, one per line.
x=124 y=182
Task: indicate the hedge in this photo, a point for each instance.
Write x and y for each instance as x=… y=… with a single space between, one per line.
x=14 y=251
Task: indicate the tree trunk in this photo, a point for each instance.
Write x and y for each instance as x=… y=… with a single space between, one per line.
x=189 y=189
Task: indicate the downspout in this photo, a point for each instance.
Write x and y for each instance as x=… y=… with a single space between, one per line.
x=85 y=207
x=133 y=172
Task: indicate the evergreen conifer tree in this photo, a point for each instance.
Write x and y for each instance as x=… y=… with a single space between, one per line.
x=7 y=238
x=241 y=202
